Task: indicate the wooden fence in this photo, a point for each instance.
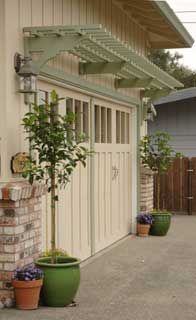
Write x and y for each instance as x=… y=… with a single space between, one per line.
x=178 y=187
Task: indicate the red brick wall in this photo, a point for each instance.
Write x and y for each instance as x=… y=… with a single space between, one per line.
x=20 y=232
x=146 y=190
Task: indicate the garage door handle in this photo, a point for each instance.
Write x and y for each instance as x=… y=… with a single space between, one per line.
x=115 y=172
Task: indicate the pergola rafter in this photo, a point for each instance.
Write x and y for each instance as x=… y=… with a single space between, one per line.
x=99 y=52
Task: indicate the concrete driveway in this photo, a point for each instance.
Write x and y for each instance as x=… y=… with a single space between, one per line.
x=153 y=278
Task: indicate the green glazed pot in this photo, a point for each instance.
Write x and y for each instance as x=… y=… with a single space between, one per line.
x=61 y=280
x=161 y=223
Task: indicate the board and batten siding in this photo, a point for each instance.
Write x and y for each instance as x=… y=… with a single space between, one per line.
x=178 y=119
x=76 y=12
x=25 y=13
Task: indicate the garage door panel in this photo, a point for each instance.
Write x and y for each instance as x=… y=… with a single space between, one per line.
x=111 y=194
x=108 y=195
x=73 y=222
x=64 y=231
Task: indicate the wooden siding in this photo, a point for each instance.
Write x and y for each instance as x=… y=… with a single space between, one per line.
x=23 y=13
x=74 y=12
x=178 y=119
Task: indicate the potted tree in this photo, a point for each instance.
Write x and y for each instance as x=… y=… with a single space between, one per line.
x=144 y=222
x=157 y=155
x=27 y=283
x=59 y=151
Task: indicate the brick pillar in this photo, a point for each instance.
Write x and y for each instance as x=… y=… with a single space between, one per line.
x=20 y=232
x=146 y=190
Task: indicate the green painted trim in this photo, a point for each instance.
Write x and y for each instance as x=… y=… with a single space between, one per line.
x=92 y=178
x=48 y=51
x=173 y=20
x=91 y=88
x=132 y=83
x=158 y=93
x=94 y=44
x=100 y=67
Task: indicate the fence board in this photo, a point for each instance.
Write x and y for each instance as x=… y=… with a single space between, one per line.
x=178 y=187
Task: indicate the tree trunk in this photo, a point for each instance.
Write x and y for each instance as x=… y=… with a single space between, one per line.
x=53 y=195
x=53 y=218
x=158 y=192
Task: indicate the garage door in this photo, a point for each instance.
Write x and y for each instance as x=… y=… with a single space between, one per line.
x=73 y=211
x=94 y=210
x=112 y=173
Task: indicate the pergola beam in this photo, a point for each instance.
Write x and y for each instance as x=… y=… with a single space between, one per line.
x=42 y=44
x=101 y=67
x=99 y=53
x=156 y=94
x=133 y=83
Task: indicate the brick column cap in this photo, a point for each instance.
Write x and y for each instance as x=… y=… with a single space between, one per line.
x=146 y=171
x=20 y=190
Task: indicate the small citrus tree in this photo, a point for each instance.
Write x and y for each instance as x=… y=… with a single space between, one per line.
x=59 y=151
x=157 y=154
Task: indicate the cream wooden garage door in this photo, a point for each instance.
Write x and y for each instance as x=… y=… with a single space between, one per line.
x=95 y=208
x=112 y=177
x=73 y=212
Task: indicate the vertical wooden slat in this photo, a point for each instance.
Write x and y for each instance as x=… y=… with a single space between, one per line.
x=103 y=124
x=108 y=200
x=185 y=163
x=175 y=187
x=97 y=124
x=75 y=18
x=118 y=126
x=89 y=11
x=193 y=160
x=48 y=12
x=109 y=125
x=119 y=194
x=37 y=12
x=78 y=122
x=82 y=11
x=85 y=117
x=25 y=13
x=102 y=198
x=97 y=202
x=67 y=20
x=58 y=20
x=176 y=180
x=123 y=128
x=58 y=12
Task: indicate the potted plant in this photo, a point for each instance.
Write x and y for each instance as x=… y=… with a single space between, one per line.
x=144 y=222
x=157 y=155
x=27 y=283
x=59 y=150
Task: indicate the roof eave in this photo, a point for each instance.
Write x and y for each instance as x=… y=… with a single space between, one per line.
x=173 y=20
